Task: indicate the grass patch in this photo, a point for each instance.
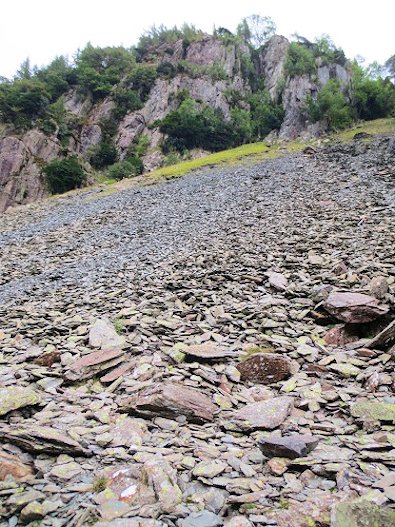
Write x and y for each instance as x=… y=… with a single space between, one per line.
x=376 y=127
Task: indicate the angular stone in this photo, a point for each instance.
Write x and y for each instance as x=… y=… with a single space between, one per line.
x=14 y=397
x=264 y=415
x=31 y=512
x=354 y=308
x=385 y=337
x=362 y=513
x=93 y=364
x=116 y=374
x=12 y=466
x=201 y=519
x=370 y=410
x=238 y=521
x=39 y=439
x=278 y=281
x=128 y=432
x=171 y=400
x=206 y=351
x=159 y=475
x=130 y=522
x=103 y=335
x=340 y=336
x=267 y=368
x=209 y=469
x=378 y=287
x=98 y=357
x=291 y=447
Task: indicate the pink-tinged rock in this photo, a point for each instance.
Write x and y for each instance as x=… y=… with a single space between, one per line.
x=354 y=308
x=128 y=432
x=171 y=400
x=12 y=466
x=207 y=351
x=41 y=439
x=339 y=336
x=291 y=447
x=266 y=368
x=95 y=358
x=116 y=374
x=157 y=474
x=264 y=415
x=278 y=281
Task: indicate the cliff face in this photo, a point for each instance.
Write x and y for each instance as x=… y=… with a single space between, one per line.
x=22 y=157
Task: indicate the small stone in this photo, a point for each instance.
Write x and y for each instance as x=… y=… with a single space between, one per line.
x=278 y=281
x=278 y=465
x=103 y=335
x=31 y=512
x=371 y=410
x=378 y=287
x=267 y=368
x=201 y=519
x=12 y=466
x=290 y=447
x=207 y=351
x=264 y=415
x=238 y=521
x=13 y=398
x=362 y=513
x=66 y=471
x=209 y=469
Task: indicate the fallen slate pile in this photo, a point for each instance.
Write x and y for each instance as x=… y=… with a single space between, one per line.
x=216 y=350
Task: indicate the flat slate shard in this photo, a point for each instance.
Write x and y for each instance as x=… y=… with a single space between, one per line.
x=384 y=338
x=103 y=335
x=41 y=439
x=292 y=446
x=278 y=281
x=263 y=415
x=11 y=465
x=371 y=410
x=171 y=400
x=94 y=363
x=206 y=351
x=354 y=308
x=13 y=398
x=267 y=368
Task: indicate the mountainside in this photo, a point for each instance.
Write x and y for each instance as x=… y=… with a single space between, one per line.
x=137 y=109
x=215 y=350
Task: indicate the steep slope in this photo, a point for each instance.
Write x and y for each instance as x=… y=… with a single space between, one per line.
x=211 y=70
x=166 y=423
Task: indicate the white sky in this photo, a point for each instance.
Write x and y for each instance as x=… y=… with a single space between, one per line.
x=42 y=29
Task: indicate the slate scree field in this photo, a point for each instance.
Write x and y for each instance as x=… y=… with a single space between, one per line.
x=215 y=349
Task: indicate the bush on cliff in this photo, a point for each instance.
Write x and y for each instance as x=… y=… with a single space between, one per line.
x=64 y=174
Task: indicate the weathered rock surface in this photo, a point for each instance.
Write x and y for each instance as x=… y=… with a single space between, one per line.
x=292 y=446
x=354 y=308
x=267 y=368
x=362 y=514
x=13 y=398
x=264 y=415
x=171 y=400
x=12 y=466
x=41 y=439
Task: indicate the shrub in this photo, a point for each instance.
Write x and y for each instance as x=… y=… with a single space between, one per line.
x=371 y=98
x=22 y=101
x=300 y=60
x=64 y=174
x=128 y=168
x=141 y=79
x=328 y=52
x=266 y=114
x=126 y=100
x=103 y=155
x=331 y=105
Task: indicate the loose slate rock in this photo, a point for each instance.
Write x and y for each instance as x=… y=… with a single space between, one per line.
x=266 y=368
x=354 y=308
x=291 y=447
x=103 y=335
x=93 y=363
x=374 y=411
x=264 y=415
x=12 y=466
x=362 y=513
x=206 y=351
x=278 y=281
x=171 y=400
x=40 y=439
x=13 y=398
x=201 y=519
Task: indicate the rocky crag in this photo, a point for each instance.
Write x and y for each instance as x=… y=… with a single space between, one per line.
x=22 y=157
x=214 y=350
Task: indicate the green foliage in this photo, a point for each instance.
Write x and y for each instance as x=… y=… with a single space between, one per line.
x=58 y=77
x=126 y=100
x=390 y=67
x=331 y=105
x=23 y=101
x=300 y=60
x=266 y=115
x=371 y=98
x=243 y=129
x=141 y=79
x=256 y=30
x=191 y=127
x=166 y=70
x=99 y=69
x=328 y=52
x=103 y=155
x=64 y=174
x=128 y=168
x=139 y=147
x=214 y=71
x=163 y=35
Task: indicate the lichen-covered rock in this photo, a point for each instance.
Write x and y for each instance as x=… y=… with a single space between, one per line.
x=103 y=335
x=354 y=308
x=370 y=410
x=263 y=415
x=158 y=474
x=362 y=513
x=15 y=397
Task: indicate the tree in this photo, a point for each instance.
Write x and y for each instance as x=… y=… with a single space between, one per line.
x=331 y=105
x=64 y=174
x=22 y=101
x=256 y=30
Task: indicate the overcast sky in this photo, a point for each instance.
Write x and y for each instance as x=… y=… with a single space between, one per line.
x=42 y=29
